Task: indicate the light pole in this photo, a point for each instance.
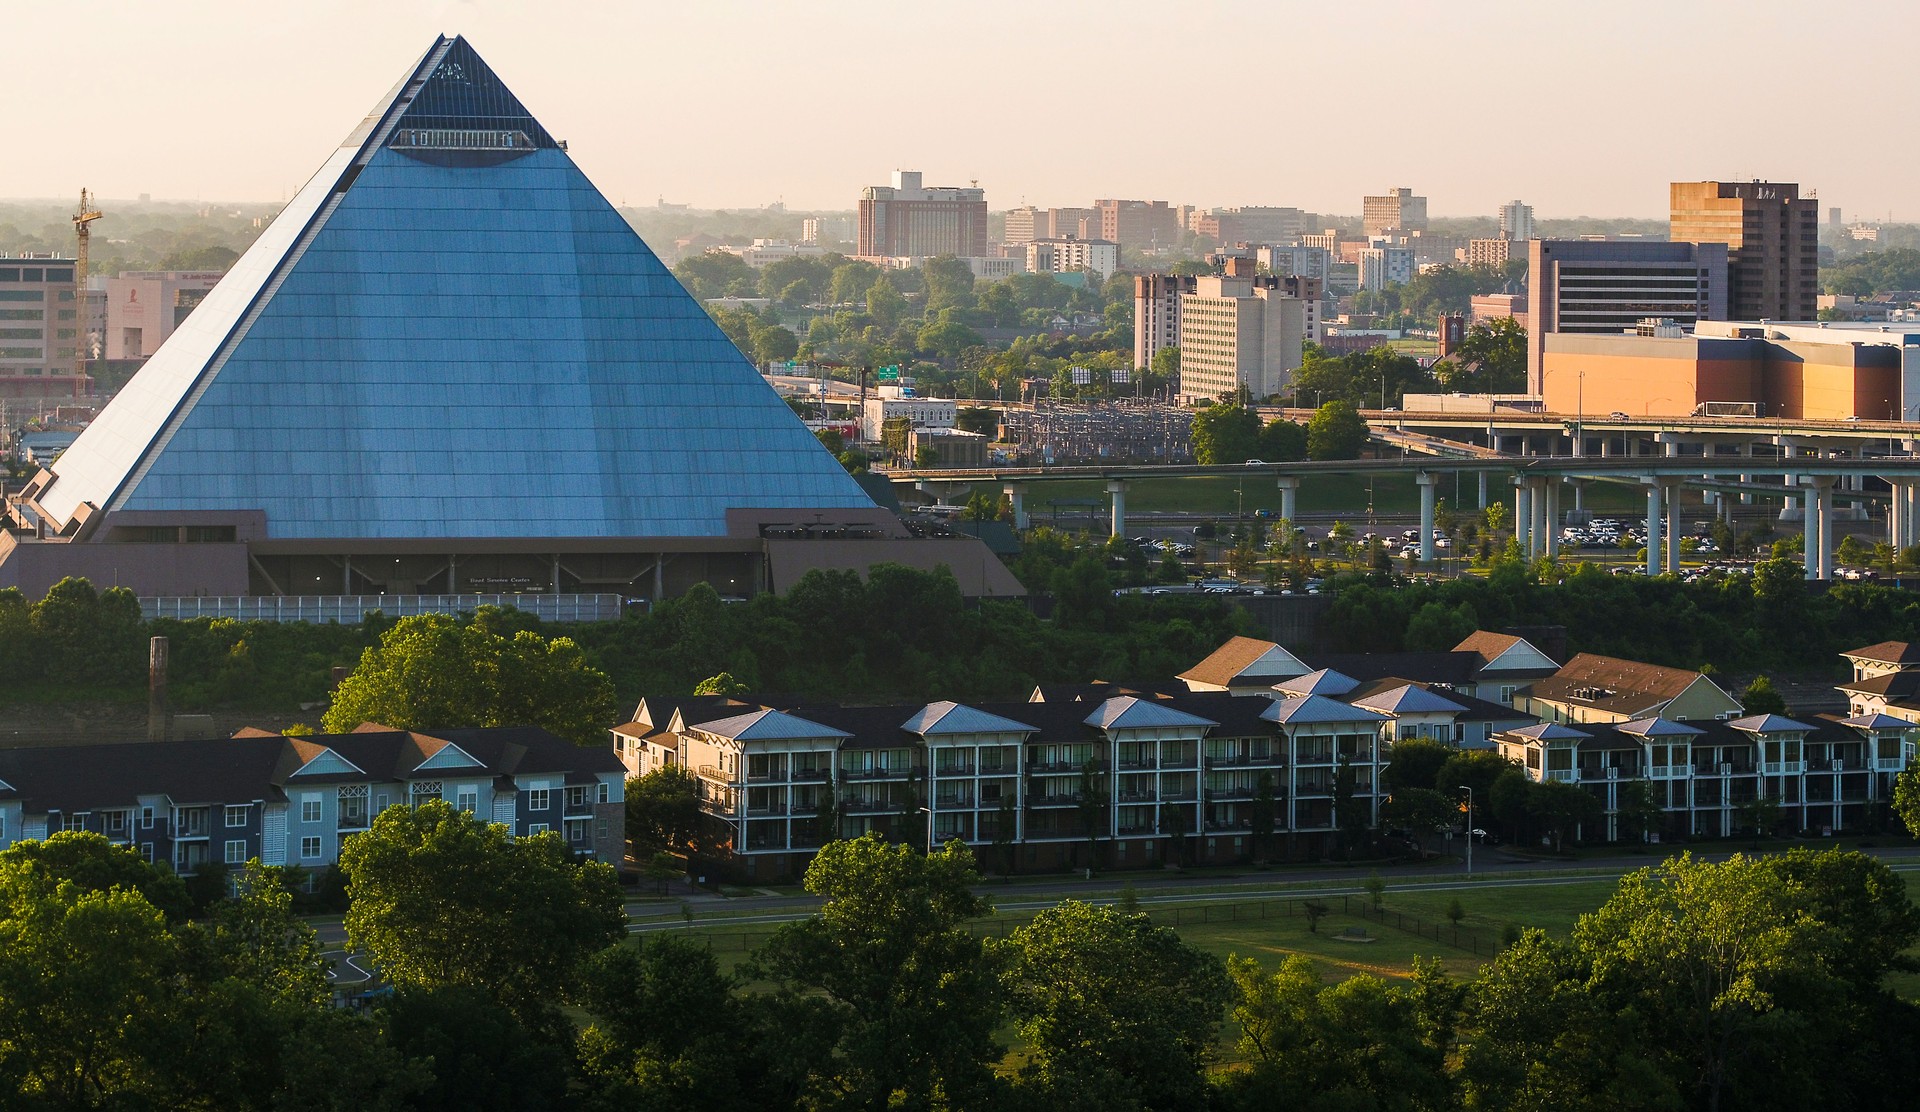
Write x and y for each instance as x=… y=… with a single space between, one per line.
x=928 y=811
x=1469 y=788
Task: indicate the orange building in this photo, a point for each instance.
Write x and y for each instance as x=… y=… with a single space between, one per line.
x=1673 y=375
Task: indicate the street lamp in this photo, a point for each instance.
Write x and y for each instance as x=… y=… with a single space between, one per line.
x=1469 y=788
x=928 y=811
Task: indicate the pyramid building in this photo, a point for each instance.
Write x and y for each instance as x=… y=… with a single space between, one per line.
x=448 y=366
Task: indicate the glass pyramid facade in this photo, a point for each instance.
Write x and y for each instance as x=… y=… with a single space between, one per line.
x=449 y=332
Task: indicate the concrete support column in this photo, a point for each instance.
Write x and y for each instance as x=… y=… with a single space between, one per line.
x=1912 y=516
x=1673 y=530
x=1426 y=481
x=1825 y=500
x=1580 y=499
x=1550 y=494
x=1606 y=446
x=1668 y=444
x=1810 y=527
x=1746 y=496
x=1289 y=497
x=1523 y=514
x=1117 y=489
x=1656 y=519
x=1896 y=512
x=1017 y=494
x=1482 y=476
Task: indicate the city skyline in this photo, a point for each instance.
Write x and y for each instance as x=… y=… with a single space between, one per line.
x=737 y=129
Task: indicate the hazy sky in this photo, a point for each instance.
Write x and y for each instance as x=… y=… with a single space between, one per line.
x=1579 y=108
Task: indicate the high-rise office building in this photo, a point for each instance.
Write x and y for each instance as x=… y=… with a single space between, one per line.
x=145 y=306
x=1156 y=314
x=1398 y=210
x=1608 y=286
x=1069 y=255
x=1140 y=225
x=1381 y=267
x=1239 y=331
x=1516 y=220
x=40 y=328
x=1295 y=260
x=912 y=219
x=1773 y=243
x=1024 y=225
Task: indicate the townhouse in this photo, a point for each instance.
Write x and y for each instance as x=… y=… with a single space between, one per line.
x=1077 y=772
x=294 y=801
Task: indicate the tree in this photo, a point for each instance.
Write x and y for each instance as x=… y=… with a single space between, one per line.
x=1116 y=1013
x=440 y=899
x=1422 y=811
x=1492 y=359
x=1415 y=763
x=1639 y=810
x=1358 y=1044
x=1760 y=815
x=721 y=684
x=1262 y=813
x=1337 y=431
x=1314 y=910
x=1092 y=798
x=911 y=996
x=1561 y=807
x=1225 y=434
x=1761 y=698
x=431 y=672
x=1906 y=797
x=1283 y=441
x=1376 y=887
x=663 y=811
x=1350 y=816
x=1476 y=769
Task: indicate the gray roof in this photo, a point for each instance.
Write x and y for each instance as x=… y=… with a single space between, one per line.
x=1877 y=721
x=1657 y=727
x=1770 y=724
x=766 y=724
x=1410 y=699
x=1326 y=681
x=1128 y=712
x=946 y=717
x=1313 y=709
x=1548 y=731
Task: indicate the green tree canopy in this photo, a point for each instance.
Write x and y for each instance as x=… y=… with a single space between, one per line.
x=1225 y=434
x=1337 y=431
x=441 y=899
x=432 y=672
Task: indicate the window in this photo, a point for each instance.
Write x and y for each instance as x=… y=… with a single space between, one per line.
x=423 y=792
x=576 y=798
x=537 y=828
x=236 y=851
x=73 y=822
x=309 y=849
x=353 y=806
x=537 y=799
x=309 y=808
x=116 y=822
x=602 y=793
x=468 y=799
x=236 y=816
x=146 y=852
x=146 y=821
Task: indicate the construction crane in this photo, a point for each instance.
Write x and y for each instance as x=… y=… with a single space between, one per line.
x=86 y=215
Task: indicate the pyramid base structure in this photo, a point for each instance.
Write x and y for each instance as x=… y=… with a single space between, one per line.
x=450 y=367
x=763 y=551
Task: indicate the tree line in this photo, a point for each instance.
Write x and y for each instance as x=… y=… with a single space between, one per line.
x=508 y=981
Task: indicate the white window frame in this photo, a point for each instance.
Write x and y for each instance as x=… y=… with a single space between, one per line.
x=539 y=799
x=146 y=818
x=236 y=851
x=536 y=828
x=69 y=822
x=318 y=847
x=602 y=793
x=467 y=799
x=234 y=811
x=311 y=809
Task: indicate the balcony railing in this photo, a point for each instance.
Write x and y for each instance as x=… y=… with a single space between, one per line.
x=954 y=770
x=1037 y=800
x=1177 y=763
x=870 y=806
x=812 y=774
x=716 y=774
x=1662 y=772
x=764 y=809
x=1179 y=795
x=1135 y=797
x=1230 y=795
x=905 y=772
x=1314 y=757
x=1245 y=760
x=1057 y=768
x=953 y=801
x=1144 y=764
x=1889 y=764
x=1562 y=775
x=1785 y=768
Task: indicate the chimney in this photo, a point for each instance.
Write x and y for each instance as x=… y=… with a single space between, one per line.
x=157 y=689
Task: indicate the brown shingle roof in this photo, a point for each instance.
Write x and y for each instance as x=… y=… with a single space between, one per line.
x=1615 y=685
x=1888 y=652
x=1487 y=644
x=1225 y=664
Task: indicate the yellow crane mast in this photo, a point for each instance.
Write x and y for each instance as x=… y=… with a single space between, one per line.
x=86 y=215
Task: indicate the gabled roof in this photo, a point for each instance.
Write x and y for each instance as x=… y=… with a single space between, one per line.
x=1409 y=698
x=765 y=724
x=1891 y=686
x=1451 y=668
x=1769 y=724
x=1657 y=727
x=1326 y=681
x=1509 y=655
x=1245 y=662
x=948 y=717
x=1548 y=731
x=1128 y=712
x=1304 y=710
x=1887 y=652
x=1626 y=687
